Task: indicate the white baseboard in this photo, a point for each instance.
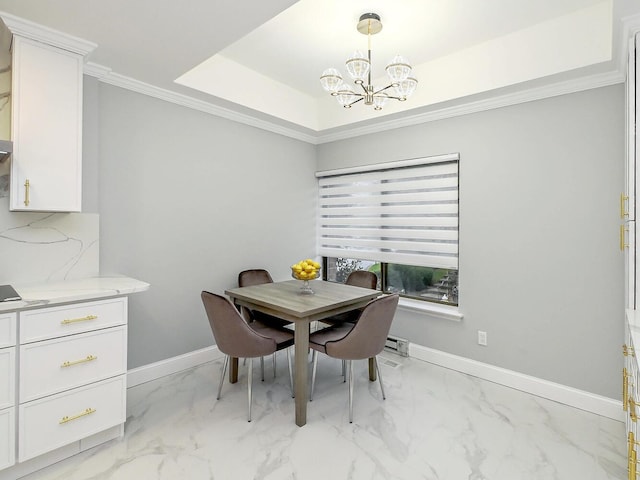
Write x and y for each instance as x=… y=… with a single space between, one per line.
x=607 y=407
x=155 y=370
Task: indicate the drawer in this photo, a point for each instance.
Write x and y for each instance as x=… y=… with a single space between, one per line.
x=7 y=377
x=7 y=437
x=55 y=421
x=51 y=322
x=51 y=366
x=7 y=330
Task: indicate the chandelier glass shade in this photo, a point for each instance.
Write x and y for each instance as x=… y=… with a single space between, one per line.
x=402 y=81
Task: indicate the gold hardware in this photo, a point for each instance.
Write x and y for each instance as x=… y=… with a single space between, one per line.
x=625 y=388
x=622 y=244
x=90 y=358
x=67 y=419
x=633 y=460
x=623 y=199
x=628 y=351
x=632 y=409
x=26 y=192
x=82 y=319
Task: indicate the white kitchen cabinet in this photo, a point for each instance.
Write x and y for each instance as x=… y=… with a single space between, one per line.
x=46 y=118
x=7 y=389
x=63 y=366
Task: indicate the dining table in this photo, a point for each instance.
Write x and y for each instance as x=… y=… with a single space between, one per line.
x=289 y=300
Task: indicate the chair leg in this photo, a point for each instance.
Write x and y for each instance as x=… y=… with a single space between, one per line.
x=344 y=371
x=293 y=395
x=350 y=368
x=222 y=372
x=250 y=381
x=375 y=360
x=274 y=364
x=314 y=363
x=262 y=367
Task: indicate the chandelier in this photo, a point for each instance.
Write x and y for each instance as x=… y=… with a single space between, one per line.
x=399 y=71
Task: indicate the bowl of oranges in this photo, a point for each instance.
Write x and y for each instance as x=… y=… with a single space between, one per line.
x=306 y=270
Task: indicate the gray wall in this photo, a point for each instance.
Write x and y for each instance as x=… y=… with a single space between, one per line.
x=540 y=269
x=186 y=201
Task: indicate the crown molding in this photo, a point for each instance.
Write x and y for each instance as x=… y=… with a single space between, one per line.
x=40 y=33
x=529 y=95
x=105 y=75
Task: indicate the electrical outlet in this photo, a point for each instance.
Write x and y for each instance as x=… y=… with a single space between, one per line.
x=482 y=338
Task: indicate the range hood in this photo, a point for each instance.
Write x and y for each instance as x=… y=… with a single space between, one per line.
x=6 y=147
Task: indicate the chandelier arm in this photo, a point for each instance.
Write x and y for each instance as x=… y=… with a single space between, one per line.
x=355 y=101
x=363 y=88
x=385 y=88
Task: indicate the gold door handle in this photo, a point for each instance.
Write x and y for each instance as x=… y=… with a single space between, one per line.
x=26 y=192
x=67 y=419
x=81 y=319
x=622 y=235
x=90 y=358
x=623 y=199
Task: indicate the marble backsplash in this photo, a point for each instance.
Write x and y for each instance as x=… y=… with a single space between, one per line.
x=44 y=246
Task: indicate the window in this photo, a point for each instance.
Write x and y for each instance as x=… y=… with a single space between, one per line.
x=398 y=219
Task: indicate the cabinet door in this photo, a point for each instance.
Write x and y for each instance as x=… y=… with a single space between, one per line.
x=46 y=128
x=7 y=438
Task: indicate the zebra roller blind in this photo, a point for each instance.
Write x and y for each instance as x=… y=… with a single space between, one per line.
x=400 y=212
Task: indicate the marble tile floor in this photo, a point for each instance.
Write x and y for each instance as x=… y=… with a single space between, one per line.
x=435 y=424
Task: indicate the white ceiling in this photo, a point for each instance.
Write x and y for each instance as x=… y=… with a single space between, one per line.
x=264 y=58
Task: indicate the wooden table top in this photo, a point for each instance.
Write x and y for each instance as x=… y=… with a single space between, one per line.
x=287 y=297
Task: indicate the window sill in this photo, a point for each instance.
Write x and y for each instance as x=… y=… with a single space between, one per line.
x=432 y=309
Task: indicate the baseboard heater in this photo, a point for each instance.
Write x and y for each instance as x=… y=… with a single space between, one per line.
x=397 y=345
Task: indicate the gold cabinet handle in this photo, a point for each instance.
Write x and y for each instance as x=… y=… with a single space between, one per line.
x=633 y=461
x=67 y=419
x=625 y=388
x=622 y=235
x=90 y=358
x=623 y=199
x=632 y=409
x=75 y=320
x=27 y=185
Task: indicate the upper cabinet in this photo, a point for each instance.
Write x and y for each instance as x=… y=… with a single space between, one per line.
x=46 y=118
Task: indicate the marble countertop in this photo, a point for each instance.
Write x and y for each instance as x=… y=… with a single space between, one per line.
x=53 y=293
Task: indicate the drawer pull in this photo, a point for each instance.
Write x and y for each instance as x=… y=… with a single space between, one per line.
x=88 y=411
x=632 y=410
x=90 y=358
x=75 y=320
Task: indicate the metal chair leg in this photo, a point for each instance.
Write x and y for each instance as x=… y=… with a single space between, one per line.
x=293 y=395
x=375 y=360
x=262 y=367
x=250 y=381
x=350 y=368
x=274 y=364
x=314 y=363
x=344 y=371
x=222 y=372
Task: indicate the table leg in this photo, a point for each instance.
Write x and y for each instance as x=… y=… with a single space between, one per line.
x=301 y=371
x=233 y=370
x=372 y=370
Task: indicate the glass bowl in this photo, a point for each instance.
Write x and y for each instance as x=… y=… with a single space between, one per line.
x=306 y=289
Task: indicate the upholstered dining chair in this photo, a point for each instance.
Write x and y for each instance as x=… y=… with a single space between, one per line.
x=357 y=278
x=237 y=338
x=356 y=341
x=259 y=276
